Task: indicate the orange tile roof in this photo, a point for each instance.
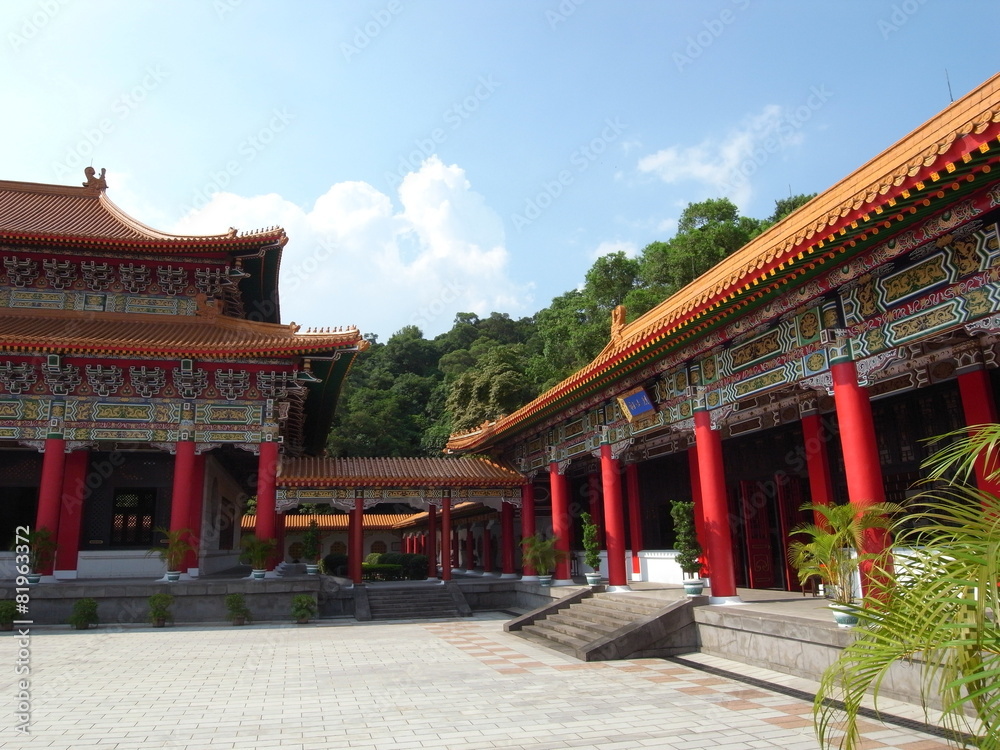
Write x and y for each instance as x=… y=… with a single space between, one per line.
x=33 y=211
x=470 y=512
x=73 y=332
x=965 y=128
x=332 y=521
x=469 y=471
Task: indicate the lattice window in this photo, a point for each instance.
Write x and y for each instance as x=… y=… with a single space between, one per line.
x=134 y=278
x=60 y=273
x=338 y=548
x=97 y=275
x=379 y=547
x=105 y=380
x=173 y=281
x=132 y=517
x=21 y=273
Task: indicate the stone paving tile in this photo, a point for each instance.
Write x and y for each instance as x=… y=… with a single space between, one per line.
x=442 y=685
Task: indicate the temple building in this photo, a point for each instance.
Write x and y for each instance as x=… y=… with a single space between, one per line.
x=146 y=381
x=810 y=365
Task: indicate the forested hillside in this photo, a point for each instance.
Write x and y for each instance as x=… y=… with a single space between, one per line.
x=405 y=396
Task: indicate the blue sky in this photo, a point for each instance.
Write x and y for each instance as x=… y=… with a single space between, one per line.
x=437 y=156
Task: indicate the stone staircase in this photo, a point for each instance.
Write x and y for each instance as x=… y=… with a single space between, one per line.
x=605 y=626
x=411 y=601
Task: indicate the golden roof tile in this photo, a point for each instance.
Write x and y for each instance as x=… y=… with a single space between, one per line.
x=469 y=471
x=75 y=332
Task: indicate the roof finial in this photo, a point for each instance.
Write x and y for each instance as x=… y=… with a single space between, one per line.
x=95 y=182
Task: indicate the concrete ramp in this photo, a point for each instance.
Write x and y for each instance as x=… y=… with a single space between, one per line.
x=608 y=626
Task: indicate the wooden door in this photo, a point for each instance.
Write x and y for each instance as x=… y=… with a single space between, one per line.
x=754 y=504
x=790 y=498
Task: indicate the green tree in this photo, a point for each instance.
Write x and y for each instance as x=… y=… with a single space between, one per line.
x=785 y=206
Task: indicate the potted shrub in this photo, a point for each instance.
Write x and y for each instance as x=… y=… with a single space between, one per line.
x=8 y=613
x=310 y=547
x=303 y=608
x=687 y=546
x=591 y=548
x=256 y=553
x=41 y=552
x=84 y=614
x=159 y=609
x=832 y=550
x=175 y=546
x=542 y=555
x=236 y=605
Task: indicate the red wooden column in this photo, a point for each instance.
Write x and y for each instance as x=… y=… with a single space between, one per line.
x=191 y=564
x=180 y=497
x=456 y=548
x=979 y=407
x=634 y=517
x=507 y=541
x=528 y=525
x=561 y=528
x=50 y=491
x=699 y=507
x=356 y=540
x=718 y=534
x=817 y=463
x=860 y=450
x=446 y=540
x=71 y=514
x=267 y=516
x=596 y=505
x=431 y=549
x=487 y=549
x=470 y=549
x=614 y=519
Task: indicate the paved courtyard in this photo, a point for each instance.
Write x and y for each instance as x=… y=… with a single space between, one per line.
x=440 y=684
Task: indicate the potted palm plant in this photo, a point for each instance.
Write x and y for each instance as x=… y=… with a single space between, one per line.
x=236 y=606
x=832 y=550
x=8 y=613
x=311 y=547
x=174 y=547
x=303 y=608
x=41 y=552
x=687 y=546
x=84 y=614
x=592 y=549
x=256 y=553
x=159 y=609
x=541 y=554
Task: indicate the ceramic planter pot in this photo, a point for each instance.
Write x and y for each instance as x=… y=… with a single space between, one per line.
x=34 y=578
x=544 y=580
x=694 y=586
x=593 y=579
x=173 y=576
x=844 y=616
x=258 y=575
x=311 y=569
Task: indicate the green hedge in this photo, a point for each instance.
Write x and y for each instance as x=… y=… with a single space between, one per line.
x=335 y=565
x=411 y=566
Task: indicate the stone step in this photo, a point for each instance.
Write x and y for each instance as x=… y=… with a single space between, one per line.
x=410 y=604
x=606 y=620
x=630 y=607
x=570 y=641
x=544 y=642
x=564 y=623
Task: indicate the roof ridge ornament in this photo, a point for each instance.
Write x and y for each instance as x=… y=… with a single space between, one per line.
x=99 y=183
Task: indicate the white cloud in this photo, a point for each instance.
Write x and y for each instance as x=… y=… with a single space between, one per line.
x=353 y=258
x=728 y=165
x=615 y=246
